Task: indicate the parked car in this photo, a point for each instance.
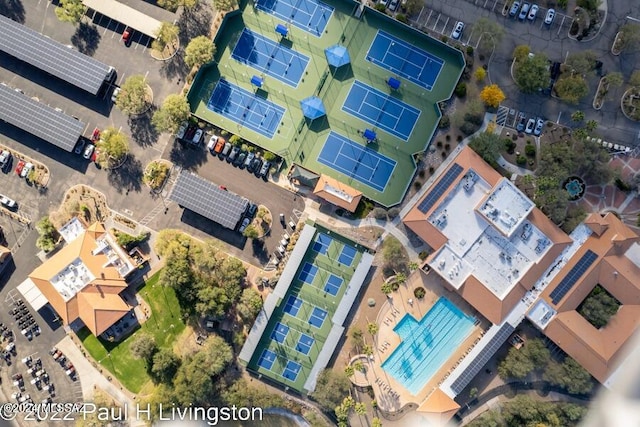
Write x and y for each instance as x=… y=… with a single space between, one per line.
x=522 y=122
x=264 y=170
x=233 y=154
x=539 y=124
x=524 y=11
x=514 y=8
x=255 y=165
x=95 y=135
x=88 y=151
x=20 y=166
x=182 y=130
x=226 y=149
x=249 y=159
x=114 y=94
x=533 y=12
x=215 y=142
x=190 y=133
x=222 y=187
x=239 y=161
x=243 y=226
x=551 y=14
x=7 y=202
x=530 y=125
x=26 y=169
x=197 y=136
x=394 y=5
x=127 y=36
x=457 y=30
x=79 y=147
x=5 y=156
x=251 y=210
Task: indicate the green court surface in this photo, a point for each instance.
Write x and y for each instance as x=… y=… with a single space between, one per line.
x=300 y=140
x=312 y=296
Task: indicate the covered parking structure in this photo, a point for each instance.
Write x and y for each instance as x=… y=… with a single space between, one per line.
x=126 y=15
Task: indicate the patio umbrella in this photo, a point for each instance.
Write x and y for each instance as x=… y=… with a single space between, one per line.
x=337 y=55
x=312 y=107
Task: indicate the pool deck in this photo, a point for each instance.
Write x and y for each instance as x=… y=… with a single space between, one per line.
x=390 y=394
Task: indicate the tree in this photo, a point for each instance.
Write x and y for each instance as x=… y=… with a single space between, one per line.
x=376 y=422
x=132 y=98
x=174 y=111
x=242 y=393
x=521 y=52
x=634 y=80
x=569 y=375
x=492 y=95
x=591 y=125
x=331 y=388
x=629 y=36
x=358 y=337
x=577 y=116
x=412 y=6
x=480 y=74
x=251 y=232
x=190 y=385
x=360 y=408
x=143 y=346
x=113 y=146
x=165 y=365
x=70 y=11
x=166 y=35
x=372 y=328
x=515 y=365
x=49 y=236
x=199 y=51
x=250 y=304
x=532 y=74
x=225 y=5
x=490 y=34
x=572 y=88
x=614 y=79
x=172 y=5
x=215 y=355
x=582 y=62
x=487 y=145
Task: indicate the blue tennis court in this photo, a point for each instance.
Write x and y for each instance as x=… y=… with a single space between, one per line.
x=245 y=108
x=292 y=305
x=280 y=333
x=317 y=317
x=400 y=57
x=308 y=272
x=266 y=359
x=347 y=255
x=321 y=245
x=333 y=285
x=309 y=15
x=291 y=371
x=270 y=57
x=381 y=110
x=356 y=161
x=304 y=344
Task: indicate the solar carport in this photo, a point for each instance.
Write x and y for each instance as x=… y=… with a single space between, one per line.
x=39 y=119
x=53 y=57
x=208 y=199
x=126 y=15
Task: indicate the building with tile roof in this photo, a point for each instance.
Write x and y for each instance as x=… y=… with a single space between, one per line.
x=337 y=193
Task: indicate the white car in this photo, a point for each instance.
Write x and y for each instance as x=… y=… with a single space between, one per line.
x=26 y=169
x=197 y=136
x=548 y=19
x=115 y=94
x=212 y=142
x=245 y=223
x=10 y=203
x=538 y=130
x=88 y=152
x=457 y=30
x=530 y=125
x=533 y=12
x=5 y=155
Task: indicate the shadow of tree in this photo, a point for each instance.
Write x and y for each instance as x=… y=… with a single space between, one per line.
x=195 y=22
x=86 y=38
x=142 y=130
x=13 y=9
x=128 y=176
x=187 y=155
x=260 y=251
x=175 y=67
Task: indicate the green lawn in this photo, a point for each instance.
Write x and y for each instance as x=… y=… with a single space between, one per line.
x=165 y=324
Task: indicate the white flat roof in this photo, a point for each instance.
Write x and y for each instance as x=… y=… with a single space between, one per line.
x=506 y=207
x=126 y=15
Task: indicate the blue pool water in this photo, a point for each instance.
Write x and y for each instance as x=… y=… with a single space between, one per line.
x=427 y=344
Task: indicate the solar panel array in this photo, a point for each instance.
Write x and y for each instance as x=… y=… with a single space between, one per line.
x=39 y=119
x=208 y=199
x=572 y=276
x=482 y=358
x=51 y=56
x=438 y=190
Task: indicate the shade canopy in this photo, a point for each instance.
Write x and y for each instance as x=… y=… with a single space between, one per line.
x=312 y=107
x=257 y=81
x=337 y=55
x=282 y=30
x=393 y=83
x=369 y=135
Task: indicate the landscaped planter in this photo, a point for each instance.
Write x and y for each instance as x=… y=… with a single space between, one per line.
x=630 y=104
x=603 y=89
x=616 y=50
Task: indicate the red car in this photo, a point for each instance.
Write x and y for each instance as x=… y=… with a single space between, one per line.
x=126 y=36
x=96 y=135
x=20 y=166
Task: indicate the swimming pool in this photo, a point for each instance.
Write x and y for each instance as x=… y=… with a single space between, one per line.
x=427 y=344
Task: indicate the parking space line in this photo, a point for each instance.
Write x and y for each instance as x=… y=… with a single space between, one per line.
x=444 y=27
x=426 y=23
x=436 y=23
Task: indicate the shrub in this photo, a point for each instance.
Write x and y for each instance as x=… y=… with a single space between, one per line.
x=444 y=39
x=530 y=150
x=269 y=156
x=393 y=212
x=459 y=138
x=468 y=128
x=521 y=160
x=400 y=17
x=447 y=147
x=469 y=50
x=417 y=185
x=386 y=288
x=419 y=292
x=421 y=173
x=439 y=144
x=444 y=122
x=380 y=7
x=379 y=213
x=127 y=241
x=461 y=90
x=235 y=140
x=510 y=146
x=424 y=254
x=431 y=170
x=447 y=137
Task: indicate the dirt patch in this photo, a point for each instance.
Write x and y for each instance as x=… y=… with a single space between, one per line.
x=81 y=201
x=185 y=345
